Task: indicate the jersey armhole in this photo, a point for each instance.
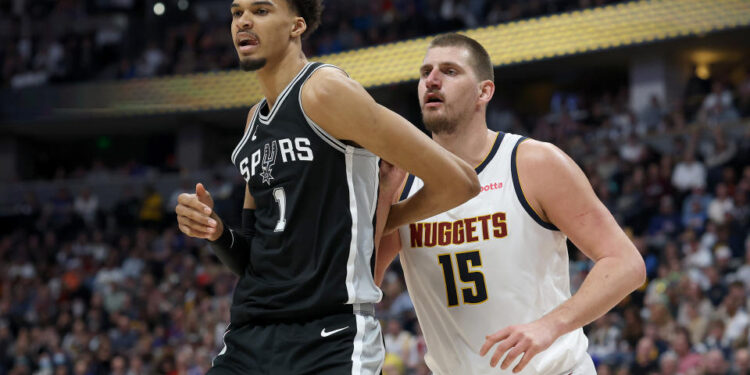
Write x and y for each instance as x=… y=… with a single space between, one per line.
x=407 y=187
x=519 y=190
x=249 y=128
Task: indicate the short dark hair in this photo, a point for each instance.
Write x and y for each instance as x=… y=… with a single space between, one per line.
x=480 y=59
x=310 y=10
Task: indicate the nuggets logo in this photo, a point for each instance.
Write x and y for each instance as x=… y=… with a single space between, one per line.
x=458 y=232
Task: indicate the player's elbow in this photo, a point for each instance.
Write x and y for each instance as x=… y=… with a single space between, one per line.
x=636 y=271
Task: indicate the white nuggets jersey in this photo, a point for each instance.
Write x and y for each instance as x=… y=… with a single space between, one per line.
x=485 y=265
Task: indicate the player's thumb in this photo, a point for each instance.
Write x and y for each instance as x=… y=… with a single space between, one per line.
x=203 y=195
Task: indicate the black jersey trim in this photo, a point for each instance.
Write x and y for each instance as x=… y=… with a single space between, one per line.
x=487 y=159
x=250 y=130
x=265 y=120
x=331 y=140
x=519 y=190
x=407 y=187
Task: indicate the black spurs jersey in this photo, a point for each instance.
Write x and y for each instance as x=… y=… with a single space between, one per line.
x=313 y=253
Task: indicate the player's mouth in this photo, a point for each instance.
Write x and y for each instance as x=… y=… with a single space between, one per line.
x=433 y=100
x=247 y=42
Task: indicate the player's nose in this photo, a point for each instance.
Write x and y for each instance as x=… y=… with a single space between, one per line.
x=245 y=21
x=433 y=80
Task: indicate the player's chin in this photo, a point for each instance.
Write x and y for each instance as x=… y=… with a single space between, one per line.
x=250 y=64
x=433 y=116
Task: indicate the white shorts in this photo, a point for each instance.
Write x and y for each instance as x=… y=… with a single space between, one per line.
x=584 y=367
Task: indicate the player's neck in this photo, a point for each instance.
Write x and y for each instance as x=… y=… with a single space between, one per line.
x=471 y=142
x=274 y=77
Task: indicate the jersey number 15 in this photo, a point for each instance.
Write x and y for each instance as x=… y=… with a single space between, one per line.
x=478 y=293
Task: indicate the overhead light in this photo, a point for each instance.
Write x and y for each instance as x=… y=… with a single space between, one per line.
x=702 y=71
x=183 y=4
x=159 y=8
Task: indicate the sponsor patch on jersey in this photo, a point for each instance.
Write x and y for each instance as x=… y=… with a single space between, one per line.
x=492 y=186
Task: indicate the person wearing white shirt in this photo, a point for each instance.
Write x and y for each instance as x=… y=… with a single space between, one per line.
x=689 y=173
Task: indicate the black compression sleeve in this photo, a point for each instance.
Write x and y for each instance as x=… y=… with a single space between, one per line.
x=232 y=247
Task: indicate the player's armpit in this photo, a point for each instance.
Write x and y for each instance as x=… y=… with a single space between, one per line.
x=343 y=108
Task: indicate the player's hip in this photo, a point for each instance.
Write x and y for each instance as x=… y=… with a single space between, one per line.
x=565 y=356
x=336 y=344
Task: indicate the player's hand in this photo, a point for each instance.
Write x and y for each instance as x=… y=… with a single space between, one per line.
x=196 y=216
x=525 y=339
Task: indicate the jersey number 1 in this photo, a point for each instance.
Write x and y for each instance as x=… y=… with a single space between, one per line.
x=280 y=197
x=475 y=295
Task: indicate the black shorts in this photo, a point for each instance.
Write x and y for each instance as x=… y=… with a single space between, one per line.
x=350 y=344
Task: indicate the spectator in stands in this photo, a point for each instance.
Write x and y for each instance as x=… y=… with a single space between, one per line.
x=721 y=206
x=400 y=343
x=646 y=355
x=718 y=153
x=718 y=106
x=633 y=150
x=715 y=363
x=732 y=312
x=740 y=362
x=86 y=205
x=689 y=173
x=604 y=339
x=152 y=208
x=651 y=116
x=687 y=359
x=715 y=339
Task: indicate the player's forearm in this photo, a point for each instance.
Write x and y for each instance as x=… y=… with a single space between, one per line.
x=388 y=248
x=423 y=204
x=609 y=281
x=439 y=194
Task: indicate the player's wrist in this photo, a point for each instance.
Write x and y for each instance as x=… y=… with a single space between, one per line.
x=222 y=235
x=557 y=324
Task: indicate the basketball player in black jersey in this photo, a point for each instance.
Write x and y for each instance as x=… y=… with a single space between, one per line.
x=305 y=252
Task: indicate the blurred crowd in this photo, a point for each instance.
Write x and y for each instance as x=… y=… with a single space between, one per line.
x=44 y=41
x=86 y=290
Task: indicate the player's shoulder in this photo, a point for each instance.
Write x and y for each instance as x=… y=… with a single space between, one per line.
x=543 y=167
x=250 y=115
x=538 y=155
x=327 y=84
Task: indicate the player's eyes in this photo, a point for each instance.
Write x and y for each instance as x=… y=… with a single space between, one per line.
x=237 y=13
x=261 y=12
x=451 y=72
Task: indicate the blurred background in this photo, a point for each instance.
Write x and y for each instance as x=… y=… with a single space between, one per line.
x=109 y=109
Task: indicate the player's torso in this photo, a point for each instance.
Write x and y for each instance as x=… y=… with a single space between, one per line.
x=485 y=265
x=315 y=200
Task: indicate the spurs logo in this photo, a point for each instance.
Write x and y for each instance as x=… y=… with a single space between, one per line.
x=269 y=159
x=288 y=150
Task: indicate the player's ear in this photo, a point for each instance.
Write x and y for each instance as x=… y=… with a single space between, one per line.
x=486 y=91
x=298 y=27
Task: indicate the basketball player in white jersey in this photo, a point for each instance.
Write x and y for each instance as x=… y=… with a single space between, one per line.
x=491 y=275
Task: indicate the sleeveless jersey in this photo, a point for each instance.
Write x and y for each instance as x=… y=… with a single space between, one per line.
x=485 y=265
x=313 y=252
